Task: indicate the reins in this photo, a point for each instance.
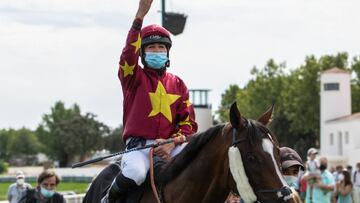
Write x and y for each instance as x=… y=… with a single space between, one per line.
x=152 y=180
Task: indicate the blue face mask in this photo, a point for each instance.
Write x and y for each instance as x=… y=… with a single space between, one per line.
x=47 y=193
x=292 y=181
x=156 y=60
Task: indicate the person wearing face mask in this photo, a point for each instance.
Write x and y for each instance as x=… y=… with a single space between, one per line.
x=156 y=103
x=17 y=190
x=356 y=181
x=291 y=164
x=338 y=176
x=45 y=192
x=344 y=188
x=324 y=186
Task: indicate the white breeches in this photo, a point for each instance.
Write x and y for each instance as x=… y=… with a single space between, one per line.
x=135 y=165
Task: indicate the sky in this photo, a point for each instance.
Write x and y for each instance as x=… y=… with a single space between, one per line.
x=66 y=50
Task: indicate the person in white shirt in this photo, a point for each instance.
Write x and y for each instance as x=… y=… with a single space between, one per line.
x=17 y=190
x=356 y=184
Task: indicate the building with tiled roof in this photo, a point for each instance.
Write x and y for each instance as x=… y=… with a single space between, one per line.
x=339 y=127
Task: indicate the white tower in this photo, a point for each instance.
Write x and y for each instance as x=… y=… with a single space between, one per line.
x=203 y=116
x=335 y=102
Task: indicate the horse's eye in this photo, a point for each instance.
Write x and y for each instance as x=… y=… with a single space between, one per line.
x=251 y=157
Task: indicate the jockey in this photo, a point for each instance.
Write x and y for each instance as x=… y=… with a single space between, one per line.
x=156 y=103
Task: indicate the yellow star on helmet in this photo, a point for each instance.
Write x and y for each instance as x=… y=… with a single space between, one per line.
x=128 y=70
x=161 y=102
x=137 y=43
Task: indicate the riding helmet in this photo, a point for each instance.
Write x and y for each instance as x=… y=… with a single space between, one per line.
x=154 y=34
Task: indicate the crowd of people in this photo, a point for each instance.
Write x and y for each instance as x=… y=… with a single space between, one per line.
x=320 y=184
x=44 y=192
x=314 y=182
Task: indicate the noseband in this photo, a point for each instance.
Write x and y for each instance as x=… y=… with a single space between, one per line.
x=283 y=194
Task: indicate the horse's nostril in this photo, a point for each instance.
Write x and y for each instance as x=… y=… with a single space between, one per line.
x=286 y=191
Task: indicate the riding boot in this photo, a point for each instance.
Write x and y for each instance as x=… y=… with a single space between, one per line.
x=120 y=188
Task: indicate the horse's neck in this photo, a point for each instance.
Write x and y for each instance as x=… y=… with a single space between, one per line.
x=205 y=179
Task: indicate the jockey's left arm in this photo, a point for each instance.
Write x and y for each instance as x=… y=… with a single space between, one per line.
x=185 y=122
x=185 y=125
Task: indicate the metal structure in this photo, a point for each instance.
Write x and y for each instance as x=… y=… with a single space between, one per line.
x=203 y=115
x=174 y=22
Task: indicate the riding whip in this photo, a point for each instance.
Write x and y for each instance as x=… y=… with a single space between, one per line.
x=122 y=152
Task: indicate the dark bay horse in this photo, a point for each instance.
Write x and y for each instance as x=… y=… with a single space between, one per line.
x=241 y=156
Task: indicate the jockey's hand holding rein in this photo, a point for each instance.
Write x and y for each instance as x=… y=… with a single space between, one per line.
x=164 y=151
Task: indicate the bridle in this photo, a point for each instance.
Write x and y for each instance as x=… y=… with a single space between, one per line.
x=284 y=193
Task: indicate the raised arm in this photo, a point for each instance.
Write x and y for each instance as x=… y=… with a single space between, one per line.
x=128 y=65
x=144 y=7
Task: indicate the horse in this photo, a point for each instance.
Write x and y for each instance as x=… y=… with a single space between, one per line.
x=241 y=156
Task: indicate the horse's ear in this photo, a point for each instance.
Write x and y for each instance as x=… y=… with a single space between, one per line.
x=266 y=117
x=235 y=117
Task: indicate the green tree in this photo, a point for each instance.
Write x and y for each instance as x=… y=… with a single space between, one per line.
x=4 y=140
x=66 y=133
x=114 y=142
x=46 y=130
x=296 y=95
x=22 y=143
x=227 y=99
x=355 y=85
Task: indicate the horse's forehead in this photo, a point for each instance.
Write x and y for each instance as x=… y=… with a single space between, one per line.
x=268 y=147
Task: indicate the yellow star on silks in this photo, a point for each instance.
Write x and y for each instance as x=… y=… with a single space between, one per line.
x=128 y=70
x=186 y=122
x=137 y=44
x=188 y=103
x=161 y=101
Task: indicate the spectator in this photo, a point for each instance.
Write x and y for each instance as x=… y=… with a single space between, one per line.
x=321 y=192
x=349 y=169
x=17 y=190
x=338 y=176
x=356 y=182
x=344 y=188
x=291 y=164
x=312 y=166
x=47 y=182
x=302 y=187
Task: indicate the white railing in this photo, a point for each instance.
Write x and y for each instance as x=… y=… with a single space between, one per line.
x=69 y=198
x=74 y=198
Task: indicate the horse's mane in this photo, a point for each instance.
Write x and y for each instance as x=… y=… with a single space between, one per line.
x=255 y=132
x=188 y=154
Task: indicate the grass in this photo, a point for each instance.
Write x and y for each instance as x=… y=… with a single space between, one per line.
x=63 y=186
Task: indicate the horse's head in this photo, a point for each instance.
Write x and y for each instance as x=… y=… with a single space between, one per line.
x=254 y=160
